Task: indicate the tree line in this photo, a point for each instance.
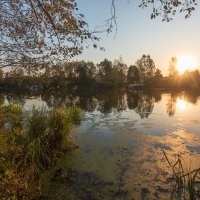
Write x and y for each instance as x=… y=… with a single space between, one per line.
x=105 y=74
x=79 y=73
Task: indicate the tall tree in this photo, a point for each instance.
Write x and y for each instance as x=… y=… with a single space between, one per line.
x=110 y=75
x=121 y=68
x=172 y=67
x=158 y=74
x=146 y=67
x=85 y=71
x=133 y=74
x=105 y=67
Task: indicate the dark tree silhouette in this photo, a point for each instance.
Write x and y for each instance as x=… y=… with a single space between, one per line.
x=158 y=75
x=172 y=67
x=133 y=75
x=146 y=67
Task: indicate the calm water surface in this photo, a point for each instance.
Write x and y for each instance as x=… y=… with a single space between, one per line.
x=120 y=144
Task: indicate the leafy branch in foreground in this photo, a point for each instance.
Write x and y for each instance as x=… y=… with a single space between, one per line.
x=50 y=30
x=164 y=8
x=167 y=9
x=186 y=181
x=37 y=31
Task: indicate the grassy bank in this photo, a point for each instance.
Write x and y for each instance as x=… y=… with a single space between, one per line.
x=30 y=143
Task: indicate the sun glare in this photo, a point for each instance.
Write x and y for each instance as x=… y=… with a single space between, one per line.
x=181 y=104
x=186 y=63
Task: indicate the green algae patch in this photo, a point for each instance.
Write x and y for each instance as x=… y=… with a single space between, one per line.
x=119 y=164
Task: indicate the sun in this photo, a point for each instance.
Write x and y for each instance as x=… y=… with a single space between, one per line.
x=186 y=63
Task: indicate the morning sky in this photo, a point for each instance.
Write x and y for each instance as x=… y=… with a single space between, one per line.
x=137 y=34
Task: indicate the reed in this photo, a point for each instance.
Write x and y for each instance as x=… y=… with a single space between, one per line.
x=186 y=180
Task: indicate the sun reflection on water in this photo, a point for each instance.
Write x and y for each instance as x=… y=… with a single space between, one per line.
x=181 y=104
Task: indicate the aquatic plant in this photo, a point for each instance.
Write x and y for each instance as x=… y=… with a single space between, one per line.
x=186 y=180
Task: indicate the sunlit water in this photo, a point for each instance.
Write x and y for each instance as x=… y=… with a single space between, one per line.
x=120 y=144
x=154 y=118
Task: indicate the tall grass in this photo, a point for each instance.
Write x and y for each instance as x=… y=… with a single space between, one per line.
x=47 y=133
x=31 y=144
x=186 y=180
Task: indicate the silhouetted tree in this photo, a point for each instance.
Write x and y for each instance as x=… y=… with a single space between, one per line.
x=158 y=75
x=85 y=72
x=133 y=75
x=146 y=67
x=69 y=69
x=172 y=67
x=121 y=68
x=81 y=71
x=108 y=74
x=190 y=80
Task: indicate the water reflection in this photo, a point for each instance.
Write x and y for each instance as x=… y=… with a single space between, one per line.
x=106 y=102
x=181 y=104
x=145 y=106
x=119 y=143
x=181 y=101
x=171 y=105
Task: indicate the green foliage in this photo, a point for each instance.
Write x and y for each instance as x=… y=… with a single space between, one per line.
x=28 y=149
x=13 y=108
x=11 y=115
x=111 y=75
x=36 y=123
x=74 y=114
x=46 y=132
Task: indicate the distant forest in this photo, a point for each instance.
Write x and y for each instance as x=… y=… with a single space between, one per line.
x=106 y=74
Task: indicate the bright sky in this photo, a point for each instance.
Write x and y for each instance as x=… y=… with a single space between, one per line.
x=137 y=34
